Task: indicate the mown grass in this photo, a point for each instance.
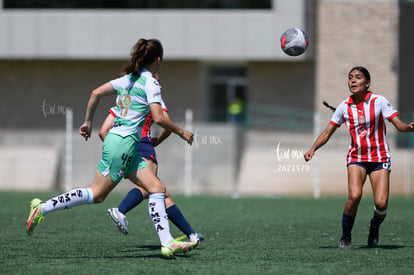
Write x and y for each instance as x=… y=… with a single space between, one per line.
x=243 y=236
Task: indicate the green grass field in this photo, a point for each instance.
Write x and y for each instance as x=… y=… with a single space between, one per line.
x=243 y=236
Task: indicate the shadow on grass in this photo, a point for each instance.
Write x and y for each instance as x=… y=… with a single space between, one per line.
x=385 y=246
x=122 y=254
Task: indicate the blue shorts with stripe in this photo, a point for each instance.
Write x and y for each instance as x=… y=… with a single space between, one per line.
x=146 y=149
x=373 y=166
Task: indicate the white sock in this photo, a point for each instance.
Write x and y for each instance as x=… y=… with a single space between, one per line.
x=156 y=207
x=68 y=200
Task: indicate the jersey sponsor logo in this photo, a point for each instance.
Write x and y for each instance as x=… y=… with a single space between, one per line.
x=362 y=131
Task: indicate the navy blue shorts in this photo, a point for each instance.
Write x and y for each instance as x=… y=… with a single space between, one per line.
x=373 y=166
x=146 y=149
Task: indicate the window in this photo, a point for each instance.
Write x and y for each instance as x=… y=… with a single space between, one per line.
x=227 y=94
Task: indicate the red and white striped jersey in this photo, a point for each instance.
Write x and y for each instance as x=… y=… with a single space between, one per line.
x=366 y=125
x=146 y=128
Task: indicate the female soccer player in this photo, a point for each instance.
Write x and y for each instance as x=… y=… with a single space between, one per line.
x=138 y=94
x=136 y=195
x=364 y=113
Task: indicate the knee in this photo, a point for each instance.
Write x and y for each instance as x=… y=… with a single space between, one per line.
x=381 y=204
x=157 y=187
x=98 y=198
x=354 y=198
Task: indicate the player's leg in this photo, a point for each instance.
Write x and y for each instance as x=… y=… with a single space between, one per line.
x=117 y=154
x=178 y=219
x=156 y=208
x=136 y=195
x=101 y=186
x=356 y=179
x=118 y=215
x=380 y=187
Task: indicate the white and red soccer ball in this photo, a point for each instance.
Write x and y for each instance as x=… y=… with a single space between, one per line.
x=294 y=41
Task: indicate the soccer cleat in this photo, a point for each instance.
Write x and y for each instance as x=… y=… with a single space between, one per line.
x=119 y=219
x=35 y=215
x=176 y=246
x=196 y=238
x=373 y=236
x=345 y=243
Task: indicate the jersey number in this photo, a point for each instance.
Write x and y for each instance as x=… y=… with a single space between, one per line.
x=123 y=103
x=126 y=160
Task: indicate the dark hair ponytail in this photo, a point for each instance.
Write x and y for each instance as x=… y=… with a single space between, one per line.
x=143 y=53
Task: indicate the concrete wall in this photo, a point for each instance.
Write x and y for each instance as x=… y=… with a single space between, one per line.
x=186 y=34
x=353 y=33
x=38 y=91
x=271 y=163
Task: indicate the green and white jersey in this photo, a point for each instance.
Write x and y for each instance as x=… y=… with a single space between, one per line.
x=135 y=94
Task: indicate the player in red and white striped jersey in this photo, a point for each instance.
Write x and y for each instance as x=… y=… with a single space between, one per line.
x=364 y=113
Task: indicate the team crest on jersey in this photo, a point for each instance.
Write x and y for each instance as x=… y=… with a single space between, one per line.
x=361 y=119
x=121 y=172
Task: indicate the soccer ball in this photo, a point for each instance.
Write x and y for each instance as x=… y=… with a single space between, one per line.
x=294 y=41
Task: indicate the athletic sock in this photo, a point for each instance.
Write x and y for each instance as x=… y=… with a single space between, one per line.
x=132 y=199
x=378 y=217
x=156 y=208
x=377 y=220
x=178 y=219
x=68 y=200
x=347 y=224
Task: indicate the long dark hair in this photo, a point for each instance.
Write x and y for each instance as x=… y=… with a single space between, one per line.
x=143 y=53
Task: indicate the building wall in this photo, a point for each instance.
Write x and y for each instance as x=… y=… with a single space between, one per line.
x=283 y=83
x=38 y=91
x=351 y=33
x=186 y=34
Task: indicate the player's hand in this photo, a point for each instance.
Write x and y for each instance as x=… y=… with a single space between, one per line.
x=188 y=136
x=155 y=142
x=308 y=155
x=85 y=130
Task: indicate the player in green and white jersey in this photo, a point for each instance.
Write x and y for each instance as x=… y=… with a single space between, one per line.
x=138 y=94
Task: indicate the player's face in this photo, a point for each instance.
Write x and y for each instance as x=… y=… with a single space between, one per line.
x=357 y=82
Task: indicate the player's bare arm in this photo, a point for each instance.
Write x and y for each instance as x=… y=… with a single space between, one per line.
x=104 y=90
x=402 y=126
x=163 y=135
x=166 y=123
x=320 y=141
